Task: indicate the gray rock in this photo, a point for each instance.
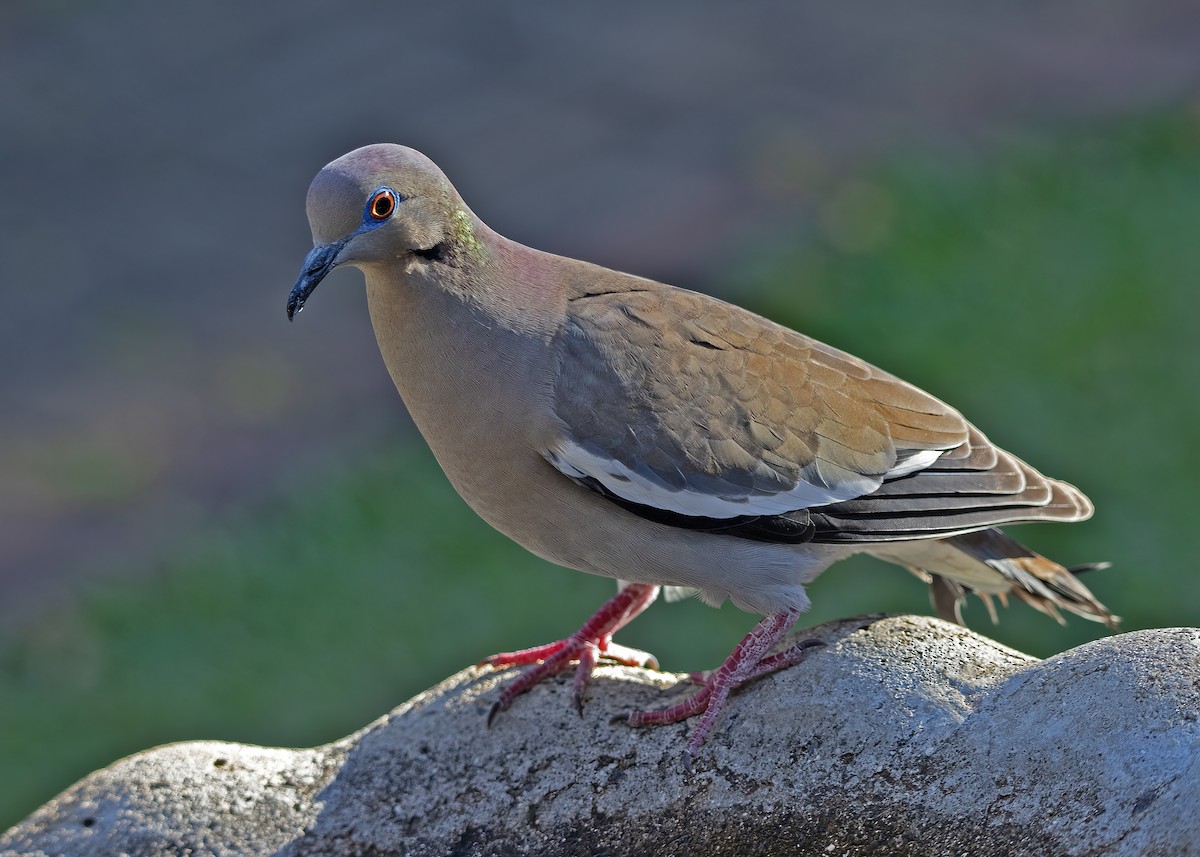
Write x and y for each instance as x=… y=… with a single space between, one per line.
x=906 y=735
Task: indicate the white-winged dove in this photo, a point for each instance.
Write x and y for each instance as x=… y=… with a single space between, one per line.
x=661 y=437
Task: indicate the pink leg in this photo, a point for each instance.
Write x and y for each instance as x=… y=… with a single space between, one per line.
x=749 y=661
x=773 y=663
x=587 y=645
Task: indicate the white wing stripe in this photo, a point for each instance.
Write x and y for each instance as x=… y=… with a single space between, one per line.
x=576 y=462
x=914 y=462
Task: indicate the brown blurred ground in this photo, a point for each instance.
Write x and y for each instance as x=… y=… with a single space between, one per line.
x=154 y=159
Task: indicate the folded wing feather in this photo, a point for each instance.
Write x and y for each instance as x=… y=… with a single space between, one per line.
x=680 y=402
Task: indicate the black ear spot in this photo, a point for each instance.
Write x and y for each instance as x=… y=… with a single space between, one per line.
x=436 y=253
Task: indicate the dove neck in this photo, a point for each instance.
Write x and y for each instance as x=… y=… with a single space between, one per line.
x=467 y=344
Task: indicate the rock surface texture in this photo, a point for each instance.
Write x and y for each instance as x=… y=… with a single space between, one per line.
x=904 y=735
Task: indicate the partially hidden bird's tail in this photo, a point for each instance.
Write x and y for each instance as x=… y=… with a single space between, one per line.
x=991 y=563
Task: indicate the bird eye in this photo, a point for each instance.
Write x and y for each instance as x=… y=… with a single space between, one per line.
x=382 y=204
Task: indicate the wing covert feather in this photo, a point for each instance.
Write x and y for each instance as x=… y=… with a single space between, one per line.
x=684 y=403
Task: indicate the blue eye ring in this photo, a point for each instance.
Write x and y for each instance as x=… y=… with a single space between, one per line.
x=382 y=204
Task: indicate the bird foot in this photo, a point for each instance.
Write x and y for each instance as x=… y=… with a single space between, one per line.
x=590 y=644
x=768 y=665
x=608 y=651
x=748 y=662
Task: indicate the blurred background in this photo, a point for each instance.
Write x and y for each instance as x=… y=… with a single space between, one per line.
x=214 y=524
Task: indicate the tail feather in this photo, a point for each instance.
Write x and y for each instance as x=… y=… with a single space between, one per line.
x=989 y=562
x=1040 y=582
x=947 y=597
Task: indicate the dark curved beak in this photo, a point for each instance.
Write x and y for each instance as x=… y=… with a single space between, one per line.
x=317 y=264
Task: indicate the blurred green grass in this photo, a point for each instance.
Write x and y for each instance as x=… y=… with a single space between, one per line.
x=1048 y=292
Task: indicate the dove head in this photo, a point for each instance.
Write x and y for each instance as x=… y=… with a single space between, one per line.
x=381 y=204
